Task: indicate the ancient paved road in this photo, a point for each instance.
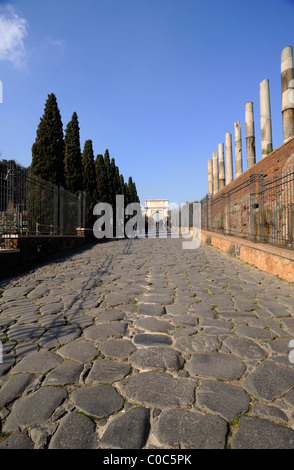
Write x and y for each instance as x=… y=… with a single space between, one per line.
x=140 y=344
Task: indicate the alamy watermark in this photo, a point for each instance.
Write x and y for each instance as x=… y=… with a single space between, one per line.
x=1 y=352
x=130 y=222
x=1 y=92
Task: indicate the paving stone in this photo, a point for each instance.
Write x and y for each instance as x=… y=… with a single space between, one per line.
x=107 y=371
x=39 y=362
x=151 y=309
x=258 y=433
x=65 y=334
x=117 y=348
x=128 y=431
x=184 y=331
x=269 y=380
x=48 y=299
x=78 y=350
x=198 y=343
x=104 y=331
x=280 y=345
x=18 y=310
x=176 y=309
x=17 y=441
x=34 y=408
x=14 y=387
x=67 y=373
x=19 y=332
x=157 y=358
x=222 y=398
x=51 y=308
x=159 y=389
x=185 y=320
x=189 y=430
x=152 y=339
x=112 y=300
x=75 y=431
x=25 y=348
x=110 y=315
x=156 y=299
x=255 y=333
x=52 y=321
x=81 y=320
x=203 y=312
x=97 y=400
x=275 y=308
x=289 y=398
x=153 y=324
x=4 y=322
x=40 y=434
x=245 y=348
x=217 y=365
x=271 y=412
x=128 y=308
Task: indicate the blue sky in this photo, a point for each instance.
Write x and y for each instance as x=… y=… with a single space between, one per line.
x=157 y=82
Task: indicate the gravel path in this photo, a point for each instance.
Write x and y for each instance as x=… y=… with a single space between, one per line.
x=140 y=344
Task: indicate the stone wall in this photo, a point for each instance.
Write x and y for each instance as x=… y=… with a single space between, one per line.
x=274 y=260
x=24 y=252
x=229 y=208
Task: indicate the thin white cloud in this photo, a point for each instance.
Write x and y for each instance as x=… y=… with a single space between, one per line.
x=13 y=30
x=58 y=43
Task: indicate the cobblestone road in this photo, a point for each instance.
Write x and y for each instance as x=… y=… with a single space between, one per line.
x=140 y=344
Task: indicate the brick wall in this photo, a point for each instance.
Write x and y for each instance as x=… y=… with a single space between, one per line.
x=247 y=207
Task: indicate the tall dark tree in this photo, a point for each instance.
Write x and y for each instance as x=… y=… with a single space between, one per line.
x=121 y=185
x=72 y=156
x=89 y=173
x=109 y=175
x=101 y=179
x=127 y=194
x=131 y=189
x=135 y=194
x=48 y=148
x=114 y=180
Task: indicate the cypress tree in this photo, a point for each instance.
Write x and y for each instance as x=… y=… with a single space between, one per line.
x=115 y=183
x=121 y=185
x=135 y=194
x=89 y=174
x=131 y=190
x=101 y=179
x=48 y=148
x=108 y=176
x=127 y=194
x=72 y=156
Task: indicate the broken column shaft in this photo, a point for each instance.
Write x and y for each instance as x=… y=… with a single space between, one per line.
x=221 y=166
x=287 y=85
x=210 y=177
x=215 y=172
x=265 y=118
x=238 y=149
x=250 y=136
x=229 y=158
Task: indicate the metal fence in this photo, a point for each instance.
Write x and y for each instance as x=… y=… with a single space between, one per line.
x=260 y=208
x=32 y=206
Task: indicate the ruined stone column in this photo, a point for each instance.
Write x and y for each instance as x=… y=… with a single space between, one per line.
x=238 y=149
x=221 y=166
x=210 y=177
x=229 y=158
x=250 y=136
x=287 y=80
x=265 y=118
x=215 y=172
